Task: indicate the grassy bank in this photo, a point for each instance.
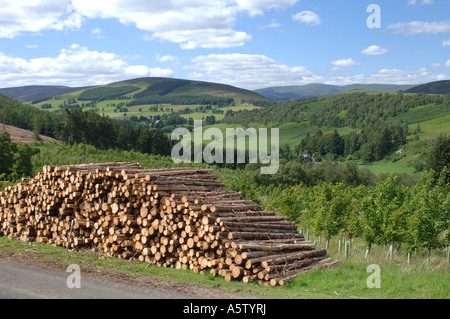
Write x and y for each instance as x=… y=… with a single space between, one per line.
x=346 y=280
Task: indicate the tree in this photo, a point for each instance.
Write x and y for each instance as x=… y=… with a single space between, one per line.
x=428 y=204
x=439 y=157
x=23 y=165
x=7 y=150
x=382 y=214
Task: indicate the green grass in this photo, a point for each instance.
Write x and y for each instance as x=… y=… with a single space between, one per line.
x=348 y=279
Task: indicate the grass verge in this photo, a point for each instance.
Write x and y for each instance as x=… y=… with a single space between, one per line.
x=347 y=280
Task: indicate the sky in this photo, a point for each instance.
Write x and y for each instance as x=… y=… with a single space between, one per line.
x=251 y=44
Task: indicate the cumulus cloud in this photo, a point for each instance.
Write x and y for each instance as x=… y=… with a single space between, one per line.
x=307 y=17
x=249 y=71
x=389 y=76
x=17 y=17
x=190 y=23
x=374 y=50
x=73 y=66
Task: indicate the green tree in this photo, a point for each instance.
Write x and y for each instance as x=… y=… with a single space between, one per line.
x=439 y=157
x=382 y=216
x=23 y=160
x=7 y=150
x=428 y=204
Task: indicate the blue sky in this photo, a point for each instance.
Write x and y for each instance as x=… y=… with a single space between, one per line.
x=247 y=43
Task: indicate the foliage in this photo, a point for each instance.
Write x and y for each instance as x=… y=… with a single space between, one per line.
x=439 y=156
x=88 y=127
x=182 y=100
x=161 y=88
x=105 y=93
x=15 y=158
x=382 y=214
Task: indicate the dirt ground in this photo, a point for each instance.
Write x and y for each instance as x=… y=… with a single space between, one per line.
x=19 y=135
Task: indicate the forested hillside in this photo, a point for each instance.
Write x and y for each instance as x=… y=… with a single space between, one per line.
x=80 y=126
x=376 y=124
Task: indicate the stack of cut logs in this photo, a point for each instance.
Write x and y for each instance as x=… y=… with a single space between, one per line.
x=174 y=217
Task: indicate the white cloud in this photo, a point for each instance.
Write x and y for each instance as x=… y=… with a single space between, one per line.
x=257 y=7
x=420 y=27
x=344 y=63
x=446 y=43
x=205 y=39
x=249 y=71
x=192 y=24
x=307 y=17
x=447 y=64
x=425 y=2
x=17 y=17
x=74 y=66
x=374 y=50
x=166 y=58
x=389 y=76
x=98 y=33
x=273 y=24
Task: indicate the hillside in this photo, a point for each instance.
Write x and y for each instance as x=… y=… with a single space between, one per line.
x=19 y=135
x=291 y=93
x=438 y=87
x=163 y=101
x=157 y=87
x=36 y=92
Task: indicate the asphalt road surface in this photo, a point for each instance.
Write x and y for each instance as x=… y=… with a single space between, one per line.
x=20 y=281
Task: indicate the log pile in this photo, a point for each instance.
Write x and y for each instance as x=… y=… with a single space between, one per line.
x=174 y=217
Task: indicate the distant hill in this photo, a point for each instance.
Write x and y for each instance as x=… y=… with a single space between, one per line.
x=438 y=87
x=35 y=92
x=292 y=93
x=161 y=89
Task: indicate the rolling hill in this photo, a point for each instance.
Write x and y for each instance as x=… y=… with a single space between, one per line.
x=438 y=87
x=157 y=87
x=291 y=93
x=35 y=92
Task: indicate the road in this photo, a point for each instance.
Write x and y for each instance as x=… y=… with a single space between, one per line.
x=21 y=281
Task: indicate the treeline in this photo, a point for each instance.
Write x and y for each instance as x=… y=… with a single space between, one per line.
x=161 y=88
x=369 y=145
x=182 y=100
x=357 y=110
x=366 y=110
x=79 y=126
x=278 y=113
x=105 y=93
